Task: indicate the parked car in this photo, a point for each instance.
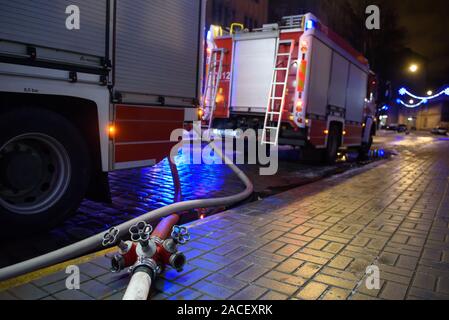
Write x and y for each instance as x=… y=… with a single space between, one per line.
x=402 y=128
x=392 y=127
x=440 y=131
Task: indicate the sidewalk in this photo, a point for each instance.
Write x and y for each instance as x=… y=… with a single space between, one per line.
x=313 y=242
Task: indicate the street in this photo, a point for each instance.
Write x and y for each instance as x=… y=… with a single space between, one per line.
x=138 y=191
x=309 y=242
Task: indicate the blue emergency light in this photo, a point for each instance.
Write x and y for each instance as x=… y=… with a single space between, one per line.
x=310 y=24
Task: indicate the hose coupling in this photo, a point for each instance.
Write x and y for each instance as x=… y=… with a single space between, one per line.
x=177 y=261
x=170 y=246
x=147 y=265
x=126 y=257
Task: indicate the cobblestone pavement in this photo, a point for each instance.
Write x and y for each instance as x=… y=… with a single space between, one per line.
x=312 y=242
x=138 y=191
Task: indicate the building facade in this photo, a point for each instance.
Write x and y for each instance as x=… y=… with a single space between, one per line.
x=251 y=13
x=427 y=117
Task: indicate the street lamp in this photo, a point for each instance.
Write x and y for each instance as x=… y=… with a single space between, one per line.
x=413 y=68
x=429 y=93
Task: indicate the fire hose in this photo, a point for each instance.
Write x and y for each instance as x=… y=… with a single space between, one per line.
x=110 y=237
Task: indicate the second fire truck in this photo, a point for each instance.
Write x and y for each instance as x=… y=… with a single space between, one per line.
x=299 y=82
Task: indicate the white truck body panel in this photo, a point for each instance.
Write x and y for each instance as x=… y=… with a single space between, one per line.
x=356 y=94
x=42 y=24
x=339 y=81
x=252 y=72
x=334 y=79
x=157 y=48
x=319 y=75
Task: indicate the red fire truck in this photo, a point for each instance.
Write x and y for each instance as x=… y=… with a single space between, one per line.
x=88 y=87
x=298 y=82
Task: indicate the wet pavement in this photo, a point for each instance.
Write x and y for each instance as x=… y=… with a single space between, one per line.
x=138 y=191
x=311 y=242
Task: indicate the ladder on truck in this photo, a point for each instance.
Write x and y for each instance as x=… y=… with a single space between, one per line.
x=209 y=100
x=276 y=103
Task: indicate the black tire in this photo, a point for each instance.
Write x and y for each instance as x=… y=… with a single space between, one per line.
x=333 y=144
x=364 y=149
x=56 y=158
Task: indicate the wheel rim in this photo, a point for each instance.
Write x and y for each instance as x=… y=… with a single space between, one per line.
x=35 y=172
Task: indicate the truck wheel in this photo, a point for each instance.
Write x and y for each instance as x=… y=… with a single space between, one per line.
x=333 y=144
x=365 y=148
x=44 y=169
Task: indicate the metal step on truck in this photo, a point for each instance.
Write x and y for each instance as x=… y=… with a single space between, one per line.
x=298 y=82
x=88 y=87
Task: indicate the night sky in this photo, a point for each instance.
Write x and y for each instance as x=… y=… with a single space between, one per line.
x=427 y=26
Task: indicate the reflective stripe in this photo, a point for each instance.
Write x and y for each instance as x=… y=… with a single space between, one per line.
x=302 y=75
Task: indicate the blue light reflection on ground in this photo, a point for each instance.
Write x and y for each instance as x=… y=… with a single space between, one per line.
x=138 y=191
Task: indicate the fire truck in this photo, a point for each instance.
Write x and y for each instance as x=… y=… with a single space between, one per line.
x=88 y=87
x=298 y=83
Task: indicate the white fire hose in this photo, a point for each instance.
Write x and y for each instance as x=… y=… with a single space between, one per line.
x=91 y=244
x=139 y=287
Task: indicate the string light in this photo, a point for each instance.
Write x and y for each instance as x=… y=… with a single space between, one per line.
x=422 y=100
x=404 y=91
